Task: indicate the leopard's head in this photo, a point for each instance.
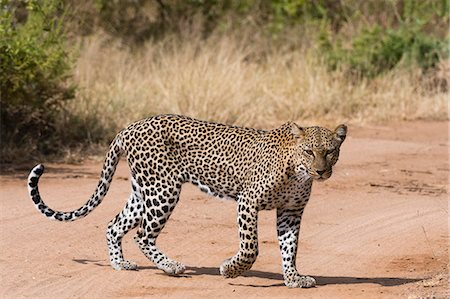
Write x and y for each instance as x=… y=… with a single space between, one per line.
x=317 y=149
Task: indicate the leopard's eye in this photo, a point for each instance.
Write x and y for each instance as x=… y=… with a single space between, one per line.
x=309 y=152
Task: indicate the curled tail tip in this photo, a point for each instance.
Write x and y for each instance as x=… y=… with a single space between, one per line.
x=38 y=169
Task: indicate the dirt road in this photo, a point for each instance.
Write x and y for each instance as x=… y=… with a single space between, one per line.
x=377 y=229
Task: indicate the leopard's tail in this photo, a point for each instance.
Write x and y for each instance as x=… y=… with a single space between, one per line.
x=109 y=167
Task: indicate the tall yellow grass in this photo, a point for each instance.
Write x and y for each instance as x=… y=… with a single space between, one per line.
x=223 y=78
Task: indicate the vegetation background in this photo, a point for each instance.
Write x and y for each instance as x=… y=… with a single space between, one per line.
x=73 y=73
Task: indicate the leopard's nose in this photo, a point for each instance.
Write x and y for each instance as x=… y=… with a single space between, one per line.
x=320 y=172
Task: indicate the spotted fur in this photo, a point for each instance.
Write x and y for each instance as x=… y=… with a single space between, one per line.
x=258 y=169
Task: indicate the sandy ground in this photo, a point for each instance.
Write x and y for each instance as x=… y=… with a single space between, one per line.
x=377 y=229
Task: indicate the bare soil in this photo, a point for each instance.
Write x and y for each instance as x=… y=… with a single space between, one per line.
x=377 y=229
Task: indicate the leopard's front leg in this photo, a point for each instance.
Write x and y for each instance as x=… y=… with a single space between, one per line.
x=288 y=227
x=248 y=248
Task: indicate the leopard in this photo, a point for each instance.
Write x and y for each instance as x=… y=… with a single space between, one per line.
x=258 y=169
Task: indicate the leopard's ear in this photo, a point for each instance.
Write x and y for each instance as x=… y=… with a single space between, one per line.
x=297 y=131
x=340 y=133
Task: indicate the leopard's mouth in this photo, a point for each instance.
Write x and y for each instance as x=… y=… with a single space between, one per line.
x=321 y=179
x=321 y=176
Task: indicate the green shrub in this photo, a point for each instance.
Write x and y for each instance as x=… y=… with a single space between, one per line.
x=376 y=50
x=34 y=71
x=411 y=36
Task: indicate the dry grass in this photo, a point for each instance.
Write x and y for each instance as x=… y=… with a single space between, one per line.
x=226 y=79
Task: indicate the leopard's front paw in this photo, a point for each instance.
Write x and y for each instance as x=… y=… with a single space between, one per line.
x=300 y=282
x=228 y=270
x=172 y=267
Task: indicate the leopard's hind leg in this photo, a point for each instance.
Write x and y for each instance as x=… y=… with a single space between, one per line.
x=126 y=220
x=160 y=200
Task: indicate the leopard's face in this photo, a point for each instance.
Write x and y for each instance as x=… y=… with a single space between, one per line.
x=317 y=149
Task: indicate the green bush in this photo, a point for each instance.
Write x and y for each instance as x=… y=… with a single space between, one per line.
x=376 y=50
x=34 y=71
x=405 y=40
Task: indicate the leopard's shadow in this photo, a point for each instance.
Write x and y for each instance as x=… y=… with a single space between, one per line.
x=321 y=280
